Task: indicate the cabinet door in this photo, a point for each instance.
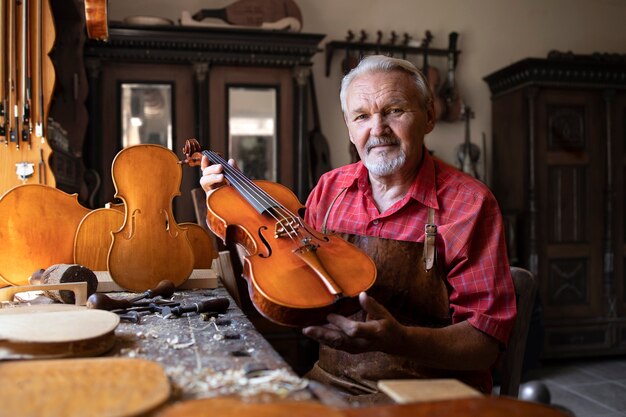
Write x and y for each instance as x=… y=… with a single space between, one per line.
x=176 y=84
x=618 y=123
x=570 y=154
x=273 y=87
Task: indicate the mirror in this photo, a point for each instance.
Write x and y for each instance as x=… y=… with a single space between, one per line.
x=146 y=114
x=252 y=131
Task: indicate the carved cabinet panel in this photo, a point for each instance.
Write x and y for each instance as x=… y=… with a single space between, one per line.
x=559 y=167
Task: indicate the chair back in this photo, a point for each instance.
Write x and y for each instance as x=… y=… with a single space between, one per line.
x=511 y=361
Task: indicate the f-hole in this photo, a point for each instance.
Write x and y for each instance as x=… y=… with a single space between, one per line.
x=268 y=248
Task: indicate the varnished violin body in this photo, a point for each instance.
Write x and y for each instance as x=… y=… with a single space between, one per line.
x=296 y=276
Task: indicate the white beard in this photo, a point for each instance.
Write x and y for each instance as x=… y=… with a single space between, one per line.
x=382 y=166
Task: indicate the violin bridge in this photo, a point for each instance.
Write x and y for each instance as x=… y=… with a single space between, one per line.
x=286 y=227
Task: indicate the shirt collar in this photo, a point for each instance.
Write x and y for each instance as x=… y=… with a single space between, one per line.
x=423 y=190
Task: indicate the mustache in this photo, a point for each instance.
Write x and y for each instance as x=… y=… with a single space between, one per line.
x=380 y=140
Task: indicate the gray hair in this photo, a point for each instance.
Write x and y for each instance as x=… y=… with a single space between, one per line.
x=382 y=63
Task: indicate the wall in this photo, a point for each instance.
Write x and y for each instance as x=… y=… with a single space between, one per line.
x=493 y=34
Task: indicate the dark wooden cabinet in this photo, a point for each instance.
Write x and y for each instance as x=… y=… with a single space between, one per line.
x=201 y=67
x=67 y=116
x=559 y=162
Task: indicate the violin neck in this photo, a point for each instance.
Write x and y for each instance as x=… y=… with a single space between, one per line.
x=252 y=193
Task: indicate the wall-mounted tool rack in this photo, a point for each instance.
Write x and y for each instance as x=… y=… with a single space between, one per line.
x=401 y=50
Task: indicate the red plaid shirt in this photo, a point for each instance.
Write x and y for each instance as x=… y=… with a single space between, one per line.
x=470 y=233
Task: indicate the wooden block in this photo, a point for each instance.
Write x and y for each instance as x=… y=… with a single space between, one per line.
x=418 y=390
x=200 y=278
x=79 y=290
x=63 y=273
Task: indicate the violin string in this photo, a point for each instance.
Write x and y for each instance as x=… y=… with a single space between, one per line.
x=273 y=207
x=258 y=195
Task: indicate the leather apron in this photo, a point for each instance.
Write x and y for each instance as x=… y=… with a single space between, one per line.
x=411 y=286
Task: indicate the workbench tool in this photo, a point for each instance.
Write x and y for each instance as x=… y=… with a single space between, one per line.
x=133 y=316
x=102 y=301
x=216 y=305
x=152 y=307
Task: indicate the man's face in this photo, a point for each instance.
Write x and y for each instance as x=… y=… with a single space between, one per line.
x=386 y=122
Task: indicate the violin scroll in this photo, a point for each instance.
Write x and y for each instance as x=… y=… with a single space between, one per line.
x=193 y=153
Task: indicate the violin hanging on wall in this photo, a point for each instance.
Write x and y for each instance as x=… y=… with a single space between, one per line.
x=26 y=83
x=468 y=153
x=296 y=276
x=96 y=19
x=449 y=93
x=432 y=76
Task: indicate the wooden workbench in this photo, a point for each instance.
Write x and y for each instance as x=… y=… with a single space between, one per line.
x=215 y=366
x=205 y=356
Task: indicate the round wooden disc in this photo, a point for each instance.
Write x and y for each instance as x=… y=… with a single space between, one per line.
x=55 y=331
x=82 y=387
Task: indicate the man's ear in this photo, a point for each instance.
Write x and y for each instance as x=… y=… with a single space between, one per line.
x=431 y=118
x=349 y=134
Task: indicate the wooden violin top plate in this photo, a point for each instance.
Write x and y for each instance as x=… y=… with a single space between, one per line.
x=55 y=331
x=82 y=387
x=94 y=237
x=37 y=228
x=202 y=245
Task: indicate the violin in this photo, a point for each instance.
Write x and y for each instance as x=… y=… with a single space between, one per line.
x=432 y=76
x=296 y=276
x=350 y=61
x=96 y=19
x=453 y=105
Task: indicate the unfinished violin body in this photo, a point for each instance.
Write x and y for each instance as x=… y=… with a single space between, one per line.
x=150 y=246
x=296 y=276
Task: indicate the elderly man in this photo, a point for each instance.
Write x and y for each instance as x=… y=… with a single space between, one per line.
x=443 y=304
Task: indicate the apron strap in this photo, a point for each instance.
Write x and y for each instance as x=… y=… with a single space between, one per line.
x=430 y=234
x=343 y=191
